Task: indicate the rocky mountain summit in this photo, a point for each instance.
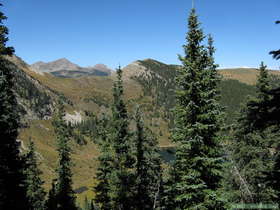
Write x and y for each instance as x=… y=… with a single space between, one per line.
x=65 y=68
x=57 y=65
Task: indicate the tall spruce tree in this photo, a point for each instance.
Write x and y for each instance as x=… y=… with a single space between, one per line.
x=121 y=179
x=273 y=119
x=251 y=147
x=51 y=202
x=255 y=115
x=12 y=191
x=198 y=164
x=63 y=197
x=273 y=179
x=104 y=170
x=34 y=184
x=148 y=167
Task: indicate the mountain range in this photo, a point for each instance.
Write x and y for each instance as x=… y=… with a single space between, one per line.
x=65 y=68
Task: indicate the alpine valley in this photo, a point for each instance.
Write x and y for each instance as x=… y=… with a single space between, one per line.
x=87 y=94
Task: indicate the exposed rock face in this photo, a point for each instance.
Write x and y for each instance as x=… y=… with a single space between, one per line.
x=73 y=118
x=135 y=69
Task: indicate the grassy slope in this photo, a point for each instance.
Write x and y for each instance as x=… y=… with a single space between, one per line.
x=80 y=89
x=244 y=75
x=77 y=90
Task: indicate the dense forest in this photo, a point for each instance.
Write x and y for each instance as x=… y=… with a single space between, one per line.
x=223 y=157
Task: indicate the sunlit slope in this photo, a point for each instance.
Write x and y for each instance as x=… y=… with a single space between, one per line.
x=244 y=75
x=149 y=83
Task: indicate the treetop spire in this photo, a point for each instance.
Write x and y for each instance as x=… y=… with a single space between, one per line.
x=193 y=4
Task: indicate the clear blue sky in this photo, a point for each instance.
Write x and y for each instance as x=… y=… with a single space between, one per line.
x=121 y=31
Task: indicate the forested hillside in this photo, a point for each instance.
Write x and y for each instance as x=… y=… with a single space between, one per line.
x=89 y=96
x=146 y=136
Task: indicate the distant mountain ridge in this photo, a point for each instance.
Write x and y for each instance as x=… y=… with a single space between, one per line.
x=65 y=68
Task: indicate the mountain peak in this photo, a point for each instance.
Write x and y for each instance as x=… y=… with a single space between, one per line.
x=62 y=67
x=102 y=67
x=57 y=65
x=64 y=60
x=64 y=64
x=134 y=69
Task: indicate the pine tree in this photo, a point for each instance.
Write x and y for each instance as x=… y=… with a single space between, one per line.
x=198 y=165
x=255 y=115
x=51 y=202
x=252 y=161
x=63 y=193
x=273 y=179
x=104 y=170
x=121 y=179
x=148 y=167
x=34 y=184
x=274 y=115
x=252 y=140
x=169 y=189
x=273 y=119
x=12 y=191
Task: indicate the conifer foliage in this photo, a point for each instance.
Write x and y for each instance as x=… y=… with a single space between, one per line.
x=114 y=189
x=12 y=191
x=253 y=139
x=197 y=170
x=255 y=115
x=121 y=178
x=273 y=119
x=148 y=167
x=104 y=171
x=34 y=184
x=62 y=196
x=129 y=172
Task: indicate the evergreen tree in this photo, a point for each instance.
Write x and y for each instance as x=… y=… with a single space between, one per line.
x=121 y=179
x=104 y=170
x=273 y=119
x=34 y=184
x=148 y=169
x=198 y=164
x=169 y=189
x=274 y=115
x=255 y=115
x=51 y=202
x=273 y=180
x=12 y=191
x=251 y=147
x=64 y=196
x=252 y=161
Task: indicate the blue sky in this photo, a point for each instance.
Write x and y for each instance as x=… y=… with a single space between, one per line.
x=122 y=31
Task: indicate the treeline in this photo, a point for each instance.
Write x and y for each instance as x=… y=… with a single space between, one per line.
x=160 y=86
x=215 y=166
